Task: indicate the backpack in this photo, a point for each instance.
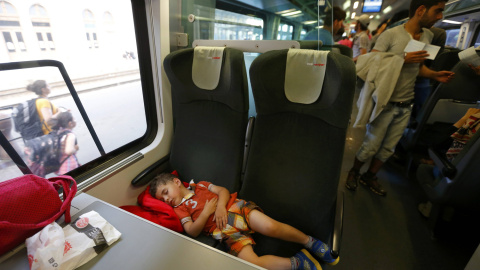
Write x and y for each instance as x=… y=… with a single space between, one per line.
x=26 y=120
x=45 y=152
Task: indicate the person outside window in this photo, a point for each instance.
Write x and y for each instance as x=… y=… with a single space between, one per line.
x=63 y=123
x=45 y=108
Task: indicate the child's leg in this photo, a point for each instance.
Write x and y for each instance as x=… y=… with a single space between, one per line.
x=266 y=225
x=301 y=260
x=267 y=261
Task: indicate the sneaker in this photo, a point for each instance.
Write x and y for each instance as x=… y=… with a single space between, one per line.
x=373 y=184
x=322 y=252
x=352 y=179
x=304 y=260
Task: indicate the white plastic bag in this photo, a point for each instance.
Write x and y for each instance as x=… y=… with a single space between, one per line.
x=45 y=248
x=76 y=244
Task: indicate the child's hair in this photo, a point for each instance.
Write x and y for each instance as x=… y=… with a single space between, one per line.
x=61 y=120
x=161 y=179
x=37 y=86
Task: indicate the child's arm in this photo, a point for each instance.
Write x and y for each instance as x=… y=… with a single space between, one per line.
x=70 y=147
x=221 y=211
x=194 y=228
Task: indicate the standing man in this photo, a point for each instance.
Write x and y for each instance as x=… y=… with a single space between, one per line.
x=330 y=28
x=384 y=132
x=361 y=41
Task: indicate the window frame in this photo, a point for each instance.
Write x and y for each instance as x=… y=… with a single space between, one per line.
x=146 y=70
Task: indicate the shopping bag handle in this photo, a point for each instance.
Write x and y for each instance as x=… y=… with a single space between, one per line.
x=68 y=194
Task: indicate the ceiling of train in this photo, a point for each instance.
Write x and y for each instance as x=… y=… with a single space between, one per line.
x=308 y=8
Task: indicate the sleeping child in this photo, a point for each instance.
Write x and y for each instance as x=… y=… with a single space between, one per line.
x=213 y=210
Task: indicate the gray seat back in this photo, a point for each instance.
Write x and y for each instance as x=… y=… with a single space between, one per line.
x=209 y=125
x=337 y=48
x=444 y=61
x=296 y=152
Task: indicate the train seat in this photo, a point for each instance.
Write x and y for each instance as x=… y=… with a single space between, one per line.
x=345 y=50
x=209 y=124
x=443 y=108
x=210 y=116
x=452 y=183
x=337 y=48
x=444 y=61
x=297 y=145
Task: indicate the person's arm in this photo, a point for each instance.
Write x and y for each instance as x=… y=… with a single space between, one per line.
x=70 y=147
x=46 y=113
x=194 y=228
x=440 y=76
x=362 y=52
x=221 y=211
x=364 y=45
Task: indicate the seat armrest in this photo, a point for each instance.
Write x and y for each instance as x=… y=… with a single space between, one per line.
x=248 y=141
x=444 y=165
x=338 y=226
x=149 y=173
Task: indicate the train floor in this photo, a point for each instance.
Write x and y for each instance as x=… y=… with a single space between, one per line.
x=390 y=232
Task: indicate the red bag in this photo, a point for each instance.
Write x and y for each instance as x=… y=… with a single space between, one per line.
x=28 y=203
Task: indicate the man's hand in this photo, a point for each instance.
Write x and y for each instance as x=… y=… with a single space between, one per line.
x=221 y=217
x=443 y=76
x=416 y=57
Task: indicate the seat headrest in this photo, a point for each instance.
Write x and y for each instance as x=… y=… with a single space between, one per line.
x=267 y=76
x=304 y=75
x=206 y=67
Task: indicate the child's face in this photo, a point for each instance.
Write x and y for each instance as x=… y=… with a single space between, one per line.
x=72 y=124
x=170 y=192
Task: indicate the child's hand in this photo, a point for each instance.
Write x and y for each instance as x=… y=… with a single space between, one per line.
x=210 y=206
x=221 y=217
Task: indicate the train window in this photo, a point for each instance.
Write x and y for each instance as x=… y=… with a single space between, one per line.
x=466 y=4
x=303 y=33
x=226 y=25
x=285 y=31
x=477 y=42
x=452 y=37
x=106 y=79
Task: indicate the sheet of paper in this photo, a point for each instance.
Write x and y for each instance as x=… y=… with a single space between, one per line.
x=432 y=50
x=469 y=56
x=414 y=46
